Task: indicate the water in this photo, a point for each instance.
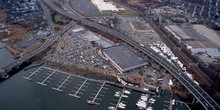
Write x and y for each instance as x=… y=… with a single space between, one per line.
x=18 y=93
x=28 y=95
x=5 y=56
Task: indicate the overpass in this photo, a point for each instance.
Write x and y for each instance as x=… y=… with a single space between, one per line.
x=6 y=68
x=207 y=102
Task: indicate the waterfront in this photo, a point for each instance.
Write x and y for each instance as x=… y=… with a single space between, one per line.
x=42 y=92
x=29 y=95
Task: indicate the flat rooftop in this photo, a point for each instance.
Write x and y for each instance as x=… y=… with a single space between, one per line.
x=208 y=33
x=212 y=52
x=105 y=6
x=123 y=58
x=177 y=32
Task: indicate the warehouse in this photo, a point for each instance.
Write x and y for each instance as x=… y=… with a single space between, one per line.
x=122 y=58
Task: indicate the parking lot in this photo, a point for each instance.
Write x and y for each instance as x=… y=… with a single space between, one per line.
x=73 y=50
x=144 y=37
x=85 y=7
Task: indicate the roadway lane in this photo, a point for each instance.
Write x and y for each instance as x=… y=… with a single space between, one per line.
x=196 y=90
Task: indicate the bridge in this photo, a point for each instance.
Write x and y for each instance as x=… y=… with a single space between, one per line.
x=207 y=102
x=6 y=68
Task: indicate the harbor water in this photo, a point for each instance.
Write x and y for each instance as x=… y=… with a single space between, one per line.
x=43 y=88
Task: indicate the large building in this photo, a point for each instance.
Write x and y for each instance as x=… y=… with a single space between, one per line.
x=178 y=33
x=122 y=58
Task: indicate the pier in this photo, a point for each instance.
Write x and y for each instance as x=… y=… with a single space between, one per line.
x=78 y=90
x=119 y=100
x=93 y=101
x=61 y=85
x=28 y=78
x=43 y=82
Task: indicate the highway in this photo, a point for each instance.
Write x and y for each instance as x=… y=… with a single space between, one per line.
x=47 y=15
x=6 y=68
x=17 y=62
x=207 y=102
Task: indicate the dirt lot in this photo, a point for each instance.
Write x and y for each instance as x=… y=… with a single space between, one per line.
x=127 y=10
x=17 y=32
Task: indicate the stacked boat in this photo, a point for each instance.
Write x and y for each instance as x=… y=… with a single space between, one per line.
x=111 y=108
x=121 y=105
x=118 y=94
x=142 y=102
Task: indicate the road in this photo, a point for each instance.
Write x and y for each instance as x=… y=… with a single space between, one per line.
x=19 y=61
x=195 y=89
x=47 y=15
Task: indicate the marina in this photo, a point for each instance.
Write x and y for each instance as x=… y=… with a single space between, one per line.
x=93 y=94
x=78 y=89
x=61 y=85
x=96 y=95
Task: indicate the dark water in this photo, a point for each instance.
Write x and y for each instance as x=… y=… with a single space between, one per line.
x=17 y=93
x=5 y=56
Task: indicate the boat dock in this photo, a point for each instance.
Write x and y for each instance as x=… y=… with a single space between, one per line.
x=119 y=100
x=33 y=73
x=78 y=90
x=61 y=85
x=48 y=77
x=96 y=95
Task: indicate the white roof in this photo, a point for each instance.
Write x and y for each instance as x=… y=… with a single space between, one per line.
x=105 y=6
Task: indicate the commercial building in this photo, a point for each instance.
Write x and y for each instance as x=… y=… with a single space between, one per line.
x=122 y=58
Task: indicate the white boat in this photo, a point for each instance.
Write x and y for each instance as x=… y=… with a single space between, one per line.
x=117 y=95
x=127 y=92
x=92 y=102
x=121 y=107
x=149 y=108
x=111 y=108
x=122 y=104
x=141 y=104
x=173 y=102
x=152 y=99
x=152 y=102
x=118 y=92
x=144 y=98
x=125 y=96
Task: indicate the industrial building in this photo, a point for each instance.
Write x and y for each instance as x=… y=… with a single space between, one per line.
x=177 y=32
x=91 y=37
x=122 y=58
x=211 y=52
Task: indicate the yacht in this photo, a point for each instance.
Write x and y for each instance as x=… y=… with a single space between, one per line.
x=127 y=92
x=111 y=108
